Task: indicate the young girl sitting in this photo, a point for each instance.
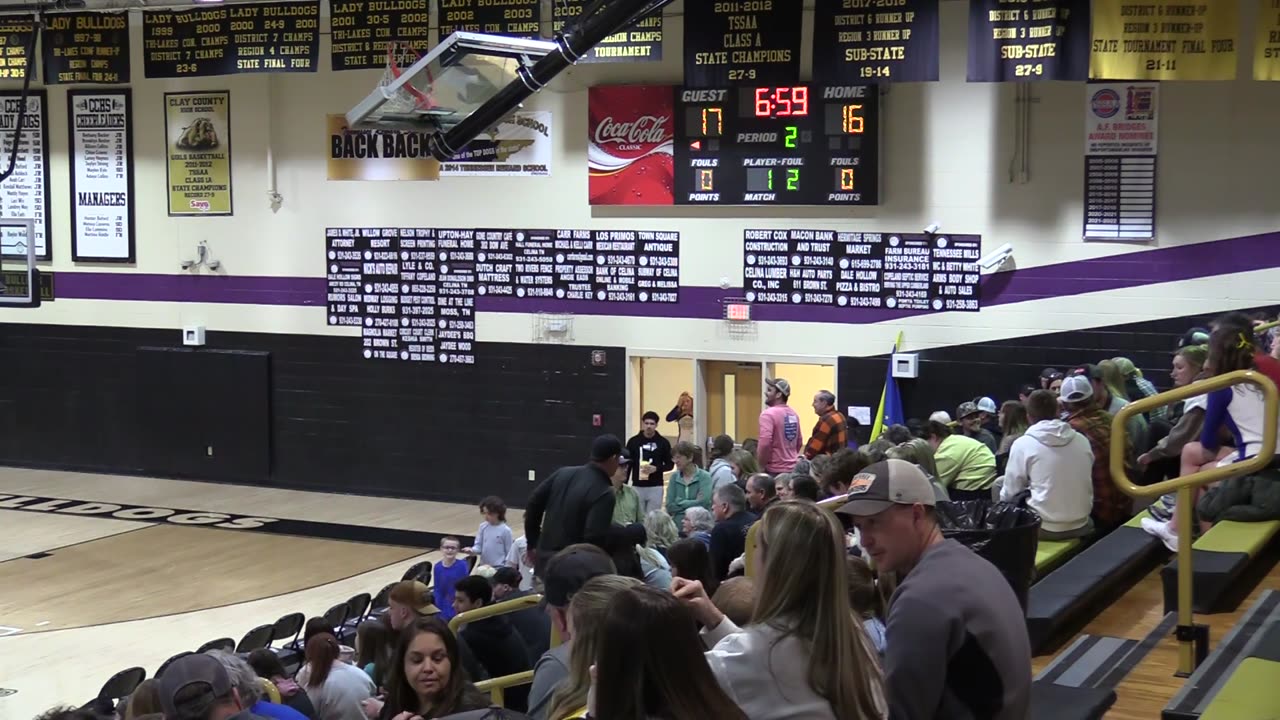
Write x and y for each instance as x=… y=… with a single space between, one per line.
x=866 y=600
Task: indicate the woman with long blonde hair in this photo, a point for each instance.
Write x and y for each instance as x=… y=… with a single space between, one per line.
x=805 y=653
x=587 y=612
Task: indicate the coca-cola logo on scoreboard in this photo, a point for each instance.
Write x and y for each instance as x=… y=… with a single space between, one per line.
x=632 y=136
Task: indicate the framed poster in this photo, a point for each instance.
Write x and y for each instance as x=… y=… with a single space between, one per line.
x=100 y=125
x=26 y=193
x=197 y=131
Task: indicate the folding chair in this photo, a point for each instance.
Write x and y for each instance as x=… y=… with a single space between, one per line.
x=165 y=665
x=357 y=606
x=220 y=644
x=420 y=572
x=121 y=685
x=255 y=639
x=381 y=603
x=289 y=628
x=335 y=616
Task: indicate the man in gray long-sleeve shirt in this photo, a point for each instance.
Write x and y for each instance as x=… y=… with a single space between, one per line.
x=956 y=641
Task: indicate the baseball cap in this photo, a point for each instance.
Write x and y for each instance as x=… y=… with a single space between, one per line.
x=416 y=595
x=507 y=576
x=191 y=685
x=605 y=447
x=782 y=386
x=1076 y=388
x=1050 y=373
x=885 y=484
x=570 y=569
x=965 y=410
x=987 y=405
x=1089 y=370
x=624 y=456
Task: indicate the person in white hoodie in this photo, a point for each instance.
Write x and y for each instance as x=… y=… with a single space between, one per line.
x=1055 y=462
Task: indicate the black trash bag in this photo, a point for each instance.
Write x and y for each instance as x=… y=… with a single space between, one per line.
x=1003 y=533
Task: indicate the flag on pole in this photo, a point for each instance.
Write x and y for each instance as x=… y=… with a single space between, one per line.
x=890 y=411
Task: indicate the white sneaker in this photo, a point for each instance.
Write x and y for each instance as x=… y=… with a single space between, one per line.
x=1163 y=531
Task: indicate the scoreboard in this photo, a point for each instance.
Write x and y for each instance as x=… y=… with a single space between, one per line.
x=783 y=145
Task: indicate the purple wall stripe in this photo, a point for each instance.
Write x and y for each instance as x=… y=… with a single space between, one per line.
x=1145 y=267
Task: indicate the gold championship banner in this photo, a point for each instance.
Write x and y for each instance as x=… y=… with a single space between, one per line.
x=378 y=154
x=1266 y=45
x=198 y=143
x=1165 y=40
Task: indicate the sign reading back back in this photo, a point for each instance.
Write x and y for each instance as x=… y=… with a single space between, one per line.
x=513 y=18
x=1043 y=40
x=1165 y=40
x=741 y=42
x=861 y=41
x=267 y=37
x=641 y=42
x=86 y=47
x=359 y=30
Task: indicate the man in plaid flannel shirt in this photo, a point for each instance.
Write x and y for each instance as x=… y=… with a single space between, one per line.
x=831 y=433
x=1111 y=507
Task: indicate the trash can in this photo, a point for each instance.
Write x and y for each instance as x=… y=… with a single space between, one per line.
x=1003 y=533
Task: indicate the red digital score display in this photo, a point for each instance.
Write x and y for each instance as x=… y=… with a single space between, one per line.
x=776 y=102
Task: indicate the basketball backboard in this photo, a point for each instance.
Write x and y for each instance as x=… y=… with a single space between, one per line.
x=437 y=91
x=19 y=279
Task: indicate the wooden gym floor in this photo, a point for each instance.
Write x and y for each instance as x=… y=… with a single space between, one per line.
x=83 y=596
x=103 y=594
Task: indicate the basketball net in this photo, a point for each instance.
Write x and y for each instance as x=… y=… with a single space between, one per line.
x=406 y=98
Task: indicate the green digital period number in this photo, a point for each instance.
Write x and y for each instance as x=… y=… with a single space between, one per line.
x=789 y=140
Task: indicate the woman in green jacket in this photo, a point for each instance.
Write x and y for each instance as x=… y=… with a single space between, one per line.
x=690 y=485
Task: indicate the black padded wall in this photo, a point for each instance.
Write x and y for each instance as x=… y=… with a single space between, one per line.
x=92 y=398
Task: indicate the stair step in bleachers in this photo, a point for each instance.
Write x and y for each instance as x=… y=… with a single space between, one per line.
x=1238 y=680
x=1058 y=597
x=1219 y=558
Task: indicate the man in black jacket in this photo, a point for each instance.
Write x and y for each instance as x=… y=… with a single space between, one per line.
x=650 y=461
x=495 y=642
x=729 y=536
x=573 y=505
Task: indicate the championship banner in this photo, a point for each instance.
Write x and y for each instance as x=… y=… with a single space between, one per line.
x=857 y=41
x=513 y=18
x=1047 y=40
x=1121 y=134
x=742 y=42
x=518 y=146
x=15 y=37
x=198 y=144
x=235 y=38
x=641 y=42
x=88 y=47
x=1266 y=45
x=359 y=31
x=1165 y=40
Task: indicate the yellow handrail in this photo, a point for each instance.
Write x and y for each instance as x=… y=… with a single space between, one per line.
x=1184 y=486
x=497 y=687
x=749 y=551
x=1217 y=382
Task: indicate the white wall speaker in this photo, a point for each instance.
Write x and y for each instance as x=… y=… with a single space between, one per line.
x=905 y=365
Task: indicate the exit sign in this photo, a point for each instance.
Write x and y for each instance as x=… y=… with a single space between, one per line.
x=737 y=311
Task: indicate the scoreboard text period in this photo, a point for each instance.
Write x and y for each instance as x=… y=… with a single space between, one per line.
x=784 y=145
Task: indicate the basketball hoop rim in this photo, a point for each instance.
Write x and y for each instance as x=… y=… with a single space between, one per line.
x=422 y=100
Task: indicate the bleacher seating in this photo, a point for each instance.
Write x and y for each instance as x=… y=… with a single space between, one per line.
x=1219 y=558
x=1057 y=598
x=1052 y=553
x=1050 y=701
x=1238 y=680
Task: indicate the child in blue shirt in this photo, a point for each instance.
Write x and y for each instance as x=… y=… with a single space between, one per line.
x=446 y=574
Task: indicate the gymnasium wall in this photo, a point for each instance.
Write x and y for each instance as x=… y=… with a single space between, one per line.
x=73 y=382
